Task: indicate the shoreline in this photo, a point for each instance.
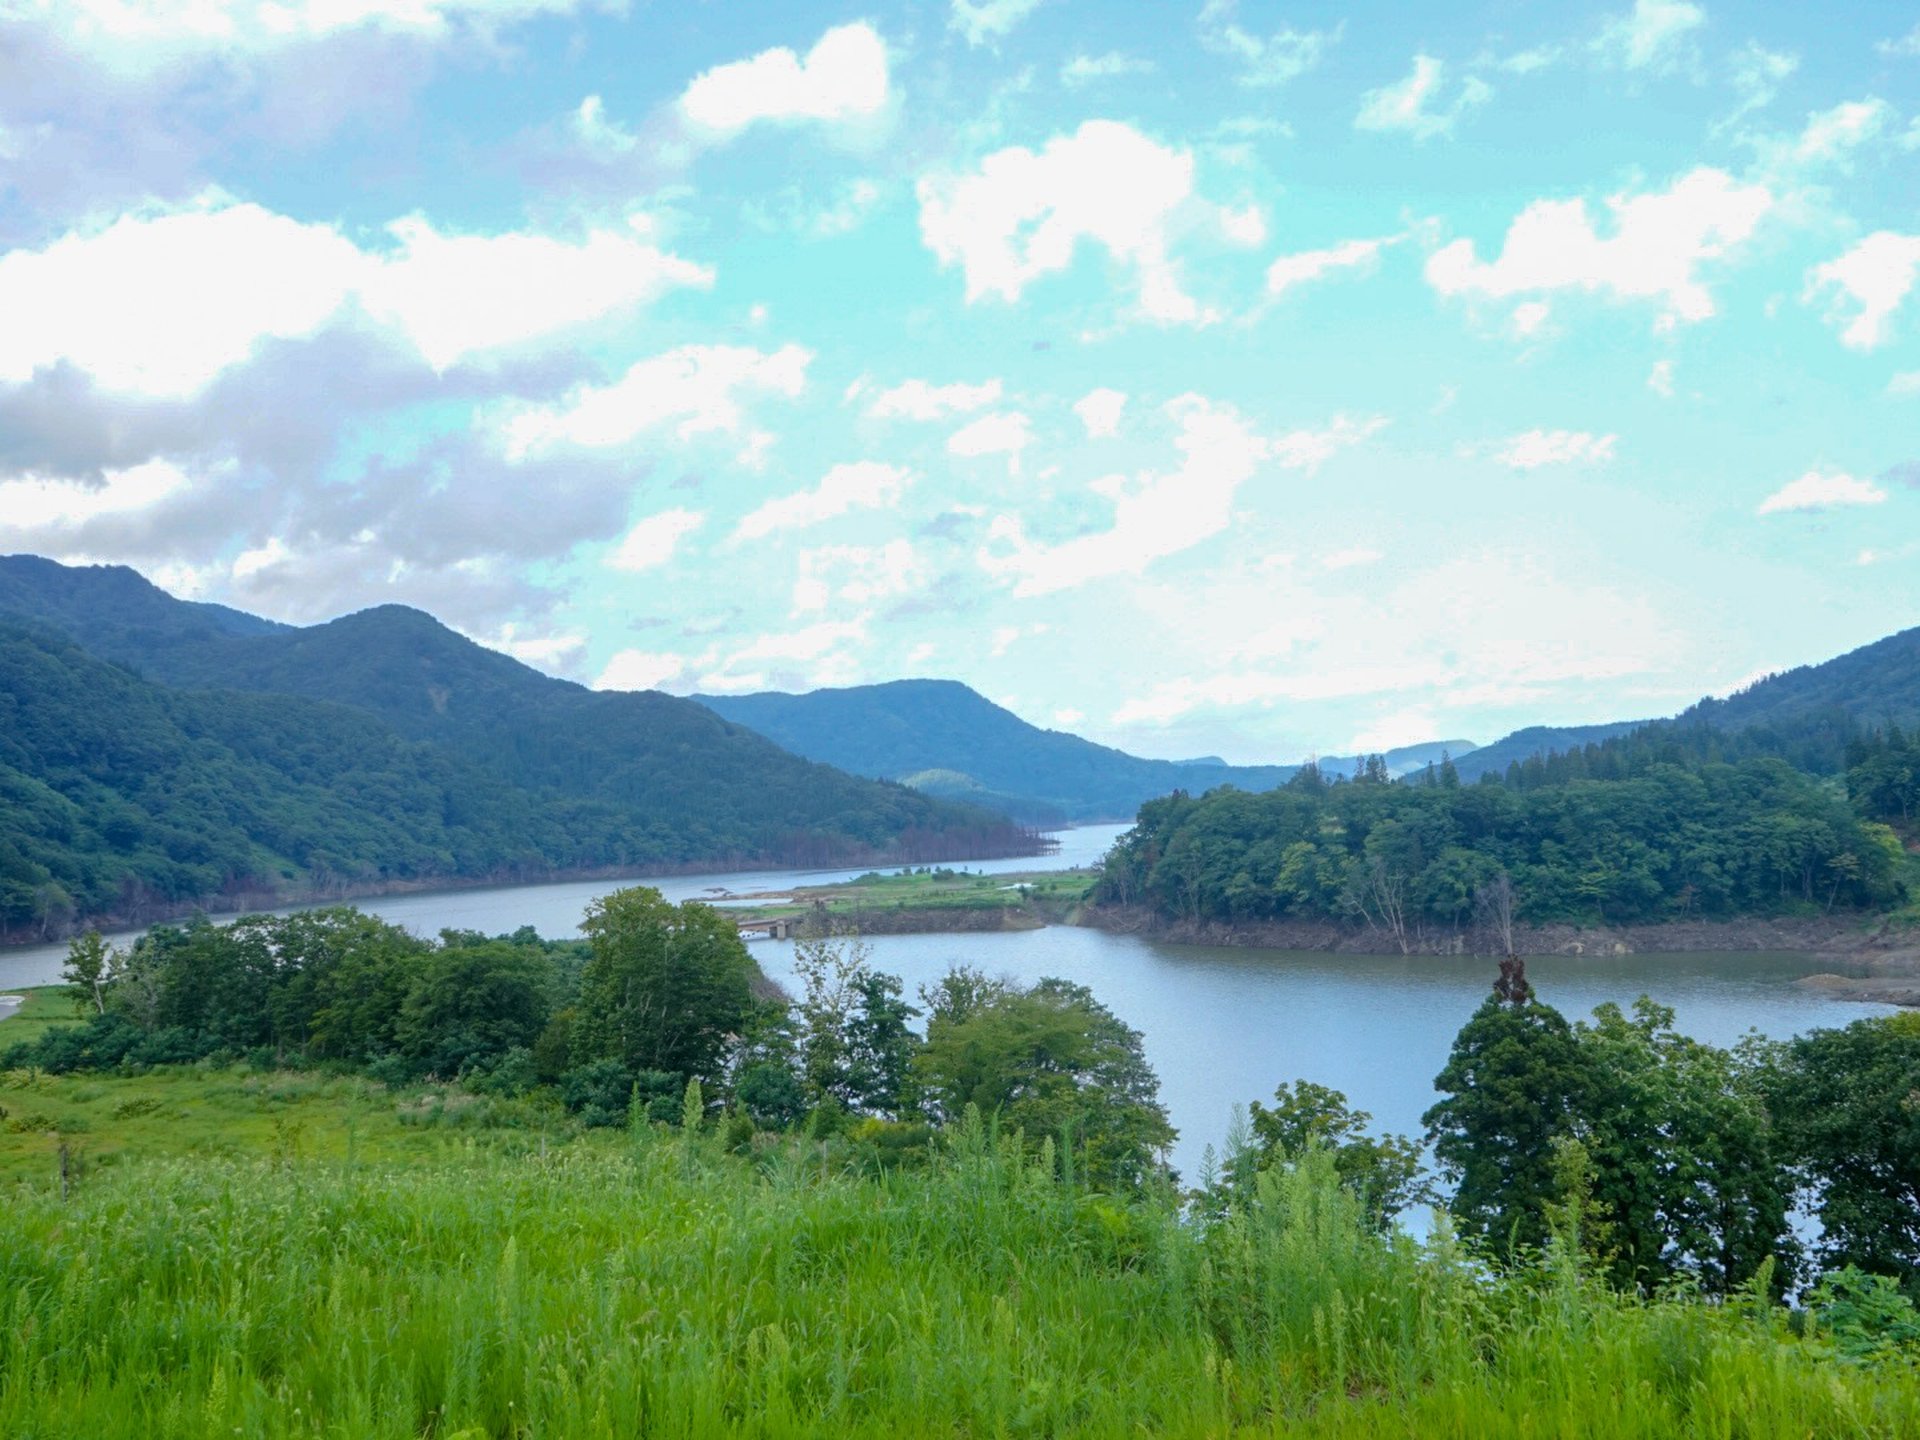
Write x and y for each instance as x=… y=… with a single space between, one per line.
x=254 y=902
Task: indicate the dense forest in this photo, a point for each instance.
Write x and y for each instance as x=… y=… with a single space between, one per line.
x=155 y=754
x=1665 y=823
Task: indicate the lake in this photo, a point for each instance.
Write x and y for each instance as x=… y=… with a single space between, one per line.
x=1222 y=1026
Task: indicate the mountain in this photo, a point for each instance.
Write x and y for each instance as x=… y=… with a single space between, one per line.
x=488 y=768
x=1802 y=715
x=1404 y=760
x=906 y=729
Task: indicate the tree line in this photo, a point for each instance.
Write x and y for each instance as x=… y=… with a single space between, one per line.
x=1667 y=1161
x=1659 y=836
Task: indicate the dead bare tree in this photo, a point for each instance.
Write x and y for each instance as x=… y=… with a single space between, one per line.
x=1493 y=907
x=1378 y=894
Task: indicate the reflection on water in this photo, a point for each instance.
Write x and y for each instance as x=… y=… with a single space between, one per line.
x=1222 y=1026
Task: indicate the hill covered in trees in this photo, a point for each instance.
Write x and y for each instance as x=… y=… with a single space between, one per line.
x=944 y=738
x=157 y=754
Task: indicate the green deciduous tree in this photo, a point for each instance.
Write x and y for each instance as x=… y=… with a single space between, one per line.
x=665 y=987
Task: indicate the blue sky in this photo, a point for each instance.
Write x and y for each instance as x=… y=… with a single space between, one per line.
x=1248 y=379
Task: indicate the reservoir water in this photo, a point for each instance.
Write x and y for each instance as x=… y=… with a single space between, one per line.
x=1222 y=1026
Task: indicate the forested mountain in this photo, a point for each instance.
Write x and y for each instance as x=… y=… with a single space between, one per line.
x=944 y=738
x=375 y=748
x=941 y=734
x=1806 y=714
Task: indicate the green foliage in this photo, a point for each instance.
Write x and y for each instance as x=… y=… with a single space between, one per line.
x=855 y=1044
x=1656 y=836
x=666 y=984
x=471 y=1283
x=1050 y=1061
x=1382 y=1171
x=1866 y=1316
x=1848 y=1103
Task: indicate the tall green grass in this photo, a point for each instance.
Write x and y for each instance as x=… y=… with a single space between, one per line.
x=656 y=1286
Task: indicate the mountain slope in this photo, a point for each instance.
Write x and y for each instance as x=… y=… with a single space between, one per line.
x=1805 y=711
x=558 y=776
x=907 y=727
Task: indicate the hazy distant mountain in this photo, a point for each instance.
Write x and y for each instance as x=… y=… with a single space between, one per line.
x=1537 y=740
x=943 y=736
x=613 y=779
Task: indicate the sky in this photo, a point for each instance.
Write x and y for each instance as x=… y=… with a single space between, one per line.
x=1245 y=379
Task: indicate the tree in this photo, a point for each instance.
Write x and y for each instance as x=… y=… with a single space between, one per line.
x=855 y=1044
x=92 y=967
x=1383 y=1172
x=467 y=1005
x=1848 y=1103
x=1493 y=906
x=665 y=987
x=1512 y=1085
x=1051 y=1061
x=1688 y=1177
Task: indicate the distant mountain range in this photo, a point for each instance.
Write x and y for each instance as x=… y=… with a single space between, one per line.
x=943 y=738
x=155 y=752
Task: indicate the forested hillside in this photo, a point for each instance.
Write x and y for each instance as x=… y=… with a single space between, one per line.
x=1642 y=833
x=159 y=754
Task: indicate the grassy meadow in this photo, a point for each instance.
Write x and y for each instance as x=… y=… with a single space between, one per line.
x=271 y=1255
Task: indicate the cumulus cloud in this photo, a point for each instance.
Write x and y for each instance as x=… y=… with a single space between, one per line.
x=161 y=302
x=1264 y=60
x=639 y=670
x=1822 y=490
x=1023 y=215
x=1531 y=449
x=842 y=78
x=921 y=400
x=859 y=575
x=652 y=541
x=1659 y=242
x=698 y=389
x=1411 y=105
x=1099 y=410
x=862 y=484
x=1872 y=279
x=1001 y=433
x=1161 y=514
x=1308 y=265
x=981 y=21
x=1088 y=69
x=1652 y=35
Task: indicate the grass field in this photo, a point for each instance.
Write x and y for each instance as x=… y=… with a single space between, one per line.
x=1038 y=895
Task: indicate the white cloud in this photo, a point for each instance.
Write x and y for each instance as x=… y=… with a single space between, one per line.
x=1307 y=265
x=1005 y=637
x=1822 y=490
x=1660 y=379
x=548 y=650
x=984 y=20
x=1830 y=134
x=1351 y=558
x=1876 y=275
x=1907 y=47
x=1100 y=410
x=698 y=388
x=1023 y=214
x=1534 y=448
x=1086 y=69
x=811 y=642
x=842 y=78
x=862 y=484
x=857 y=574
x=1757 y=76
x=1659 y=241
x=1411 y=726
x=1530 y=318
x=458 y=295
x=1404 y=106
x=652 y=541
x=1907 y=382
x=597 y=133
x=1156 y=515
x=1652 y=35
x=1244 y=225
x=140 y=37
x=1001 y=433
x=921 y=400
x=1264 y=60
x=639 y=670
x=33 y=506
x=161 y=302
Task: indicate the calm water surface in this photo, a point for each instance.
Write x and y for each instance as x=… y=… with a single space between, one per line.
x=1222 y=1026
